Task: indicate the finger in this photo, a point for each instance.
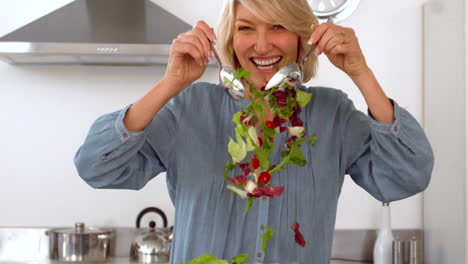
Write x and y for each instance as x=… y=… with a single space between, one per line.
x=192 y=38
x=339 y=49
x=205 y=42
x=187 y=48
x=318 y=32
x=209 y=32
x=335 y=40
x=329 y=34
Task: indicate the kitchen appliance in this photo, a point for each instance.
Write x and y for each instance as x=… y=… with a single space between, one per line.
x=152 y=245
x=81 y=243
x=115 y=32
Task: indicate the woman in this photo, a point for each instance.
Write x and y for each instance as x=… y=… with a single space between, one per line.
x=182 y=127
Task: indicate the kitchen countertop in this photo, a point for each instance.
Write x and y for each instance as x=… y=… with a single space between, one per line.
x=31 y=246
x=336 y=261
x=127 y=261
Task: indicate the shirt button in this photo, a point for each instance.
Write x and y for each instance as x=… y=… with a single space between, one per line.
x=259 y=254
x=395 y=128
x=125 y=135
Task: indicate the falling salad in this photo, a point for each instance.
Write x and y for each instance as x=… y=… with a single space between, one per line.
x=253 y=143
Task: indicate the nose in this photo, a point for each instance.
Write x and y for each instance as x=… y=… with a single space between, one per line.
x=263 y=44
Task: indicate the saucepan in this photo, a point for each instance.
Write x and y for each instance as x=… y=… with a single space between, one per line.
x=81 y=243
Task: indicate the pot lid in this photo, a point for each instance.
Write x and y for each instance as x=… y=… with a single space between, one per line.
x=80 y=228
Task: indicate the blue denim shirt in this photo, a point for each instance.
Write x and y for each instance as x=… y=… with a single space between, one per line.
x=188 y=139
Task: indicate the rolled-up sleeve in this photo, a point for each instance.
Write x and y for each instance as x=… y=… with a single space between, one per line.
x=114 y=158
x=390 y=161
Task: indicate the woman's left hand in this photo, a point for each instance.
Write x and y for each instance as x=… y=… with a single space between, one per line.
x=341 y=46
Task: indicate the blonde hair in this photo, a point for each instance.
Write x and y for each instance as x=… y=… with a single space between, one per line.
x=294 y=15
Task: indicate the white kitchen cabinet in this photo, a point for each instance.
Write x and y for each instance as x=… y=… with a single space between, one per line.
x=445 y=114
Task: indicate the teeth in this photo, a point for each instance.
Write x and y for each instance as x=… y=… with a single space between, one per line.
x=265 y=67
x=266 y=62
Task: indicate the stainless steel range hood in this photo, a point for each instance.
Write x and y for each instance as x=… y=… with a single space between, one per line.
x=113 y=32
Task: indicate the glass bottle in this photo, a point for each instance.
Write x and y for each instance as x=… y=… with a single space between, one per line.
x=383 y=243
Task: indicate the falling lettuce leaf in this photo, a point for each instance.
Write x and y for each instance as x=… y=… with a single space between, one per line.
x=267 y=236
x=249 y=203
x=262 y=156
x=241 y=259
x=296 y=156
x=303 y=98
x=253 y=136
x=237 y=150
x=241 y=74
x=229 y=166
x=207 y=259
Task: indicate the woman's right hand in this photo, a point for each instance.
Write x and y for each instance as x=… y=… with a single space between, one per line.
x=189 y=56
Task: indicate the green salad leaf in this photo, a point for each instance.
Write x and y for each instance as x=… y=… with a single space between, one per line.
x=303 y=98
x=237 y=150
x=207 y=259
x=296 y=156
x=249 y=203
x=241 y=74
x=262 y=156
x=210 y=259
x=267 y=236
x=240 y=259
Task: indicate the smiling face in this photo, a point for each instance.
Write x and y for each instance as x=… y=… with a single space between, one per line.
x=261 y=48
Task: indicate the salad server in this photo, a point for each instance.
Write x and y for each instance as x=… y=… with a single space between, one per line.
x=231 y=84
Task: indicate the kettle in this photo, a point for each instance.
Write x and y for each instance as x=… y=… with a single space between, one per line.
x=152 y=245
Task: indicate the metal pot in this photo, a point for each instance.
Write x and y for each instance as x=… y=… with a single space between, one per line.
x=154 y=244
x=81 y=243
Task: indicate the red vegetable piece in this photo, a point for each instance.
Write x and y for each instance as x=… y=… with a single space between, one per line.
x=243 y=116
x=270 y=124
x=255 y=162
x=278 y=121
x=298 y=237
x=297 y=122
x=282 y=129
x=264 y=177
x=246 y=168
x=295 y=116
x=293 y=93
x=268 y=191
x=291 y=139
x=260 y=140
x=281 y=97
x=238 y=179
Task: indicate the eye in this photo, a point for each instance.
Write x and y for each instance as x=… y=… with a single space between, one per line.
x=277 y=27
x=243 y=28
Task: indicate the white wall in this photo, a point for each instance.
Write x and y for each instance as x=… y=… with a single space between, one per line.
x=47 y=110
